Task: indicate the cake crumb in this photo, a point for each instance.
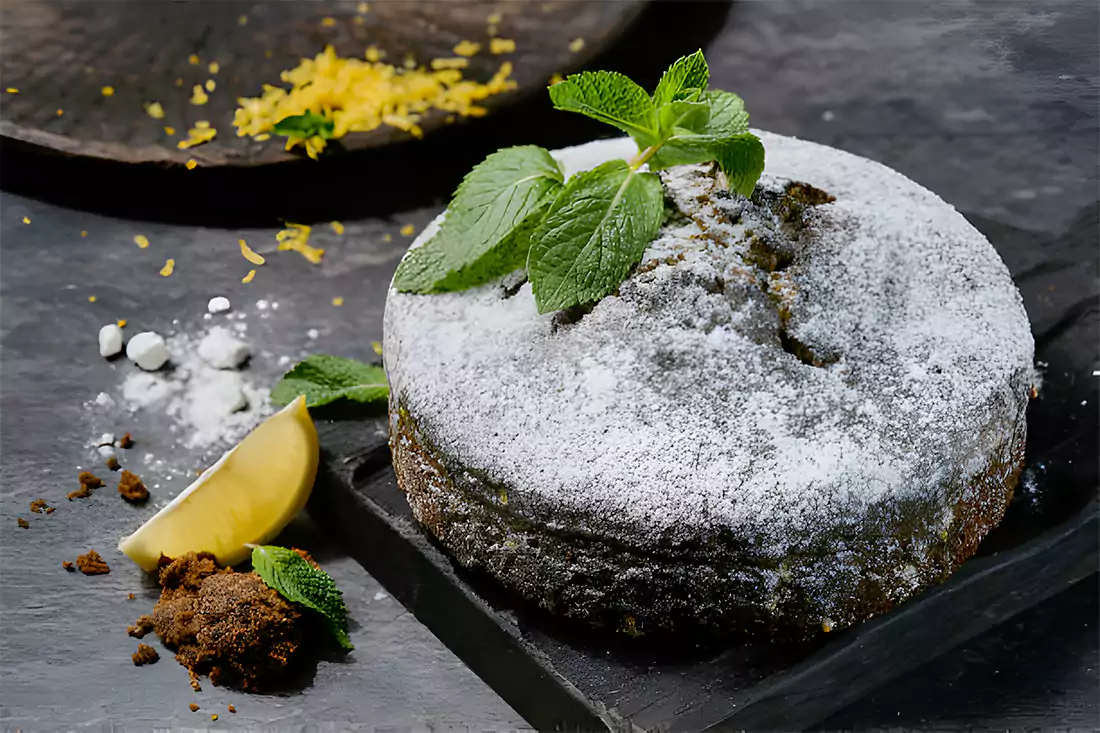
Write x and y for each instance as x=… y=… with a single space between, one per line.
x=112 y=463
x=90 y=563
x=194 y=707
x=131 y=488
x=68 y=566
x=126 y=441
x=23 y=523
x=141 y=627
x=88 y=481
x=38 y=506
x=145 y=654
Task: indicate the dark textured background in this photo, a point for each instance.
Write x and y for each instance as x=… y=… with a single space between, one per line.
x=991 y=105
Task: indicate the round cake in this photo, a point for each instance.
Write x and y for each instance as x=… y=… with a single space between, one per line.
x=796 y=412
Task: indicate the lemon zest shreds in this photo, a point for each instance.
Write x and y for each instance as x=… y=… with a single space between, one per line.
x=107 y=91
x=337 y=227
x=154 y=110
x=198 y=95
x=169 y=266
x=92 y=299
x=193 y=60
x=12 y=90
x=191 y=164
x=243 y=20
x=248 y=278
x=387 y=237
x=211 y=85
x=141 y=240
x=360 y=96
x=201 y=133
x=254 y=258
x=498 y=46
x=121 y=323
x=328 y=22
x=214 y=67
x=455 y=63
x=83 y=232
x=261 y=137
x=408 y=230
x=410 y=62
x=576 y=45
x=338 y=301
x=556 y=79
x=374 y=54
x=376 y=347
x=295 y=238
x=26 y=220
x=168 y=130
x=493 y=19
x=60 y=111
x=363 y=8
x=466 y=48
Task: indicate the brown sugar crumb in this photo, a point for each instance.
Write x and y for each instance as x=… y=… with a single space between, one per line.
x=50 y=509
x=88 y=481
x=68 y=566
x=194 y=681
x=131 y=488
x=232 y=709
x=39 y=505
x=126 y=441
x=230 y=626
x=23 y=523
x=145 y=654
x=194 y=707
x=91 y=563
x=112 y=463
x=141 y=627
x=130 y=596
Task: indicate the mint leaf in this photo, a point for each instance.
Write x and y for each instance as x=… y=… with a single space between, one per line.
x=684 y=116
x=609 y=97
x=595 y=231
x=727 y=119
x=324 y=379
x=296 y=580
x=685 y=74
x=486 y=231
x=305 y=125
x=741 y=158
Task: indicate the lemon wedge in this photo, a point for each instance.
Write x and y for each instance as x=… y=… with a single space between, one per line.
x=247 y=497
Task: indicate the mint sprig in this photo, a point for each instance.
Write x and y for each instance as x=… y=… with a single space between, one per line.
x=580 y=240
x=296 y=580
x=324 y=379
x=306 y=125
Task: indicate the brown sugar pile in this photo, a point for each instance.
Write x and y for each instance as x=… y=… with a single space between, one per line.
x=68 y=566
x=91 y=563
x=22 y=523
x=227 y=625
x=38 y=506
x=141 y=627
x=88 y=481
x=131 y=488
x=145 y=654
x=126 y=441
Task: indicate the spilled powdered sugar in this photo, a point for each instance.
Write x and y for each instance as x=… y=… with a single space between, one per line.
x=683 y=404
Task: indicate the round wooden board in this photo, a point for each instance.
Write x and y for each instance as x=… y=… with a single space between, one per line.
x=60 y=55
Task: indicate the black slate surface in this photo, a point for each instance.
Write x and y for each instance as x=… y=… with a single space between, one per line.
x=993 y=106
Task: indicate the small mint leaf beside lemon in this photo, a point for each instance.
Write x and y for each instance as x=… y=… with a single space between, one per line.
x=296 y=580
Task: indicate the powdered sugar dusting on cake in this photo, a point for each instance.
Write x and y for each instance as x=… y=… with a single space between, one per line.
x=675 y=408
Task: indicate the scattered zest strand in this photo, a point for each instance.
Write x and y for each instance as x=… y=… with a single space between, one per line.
x=191 y=165
x=337 y=227
x=198 y=95
x=154 y=110
x=248 y=278
x=295 y=238
x=201 y=133
x=408 y=230
x=108 y=91
x=498 y=46
x=338 y=301
x=141 y=240
x=169 y=266
x=255 y=259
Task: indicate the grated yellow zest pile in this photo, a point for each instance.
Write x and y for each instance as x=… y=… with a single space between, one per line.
x=201 y=133
x=359 y=96
x=295 y=238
